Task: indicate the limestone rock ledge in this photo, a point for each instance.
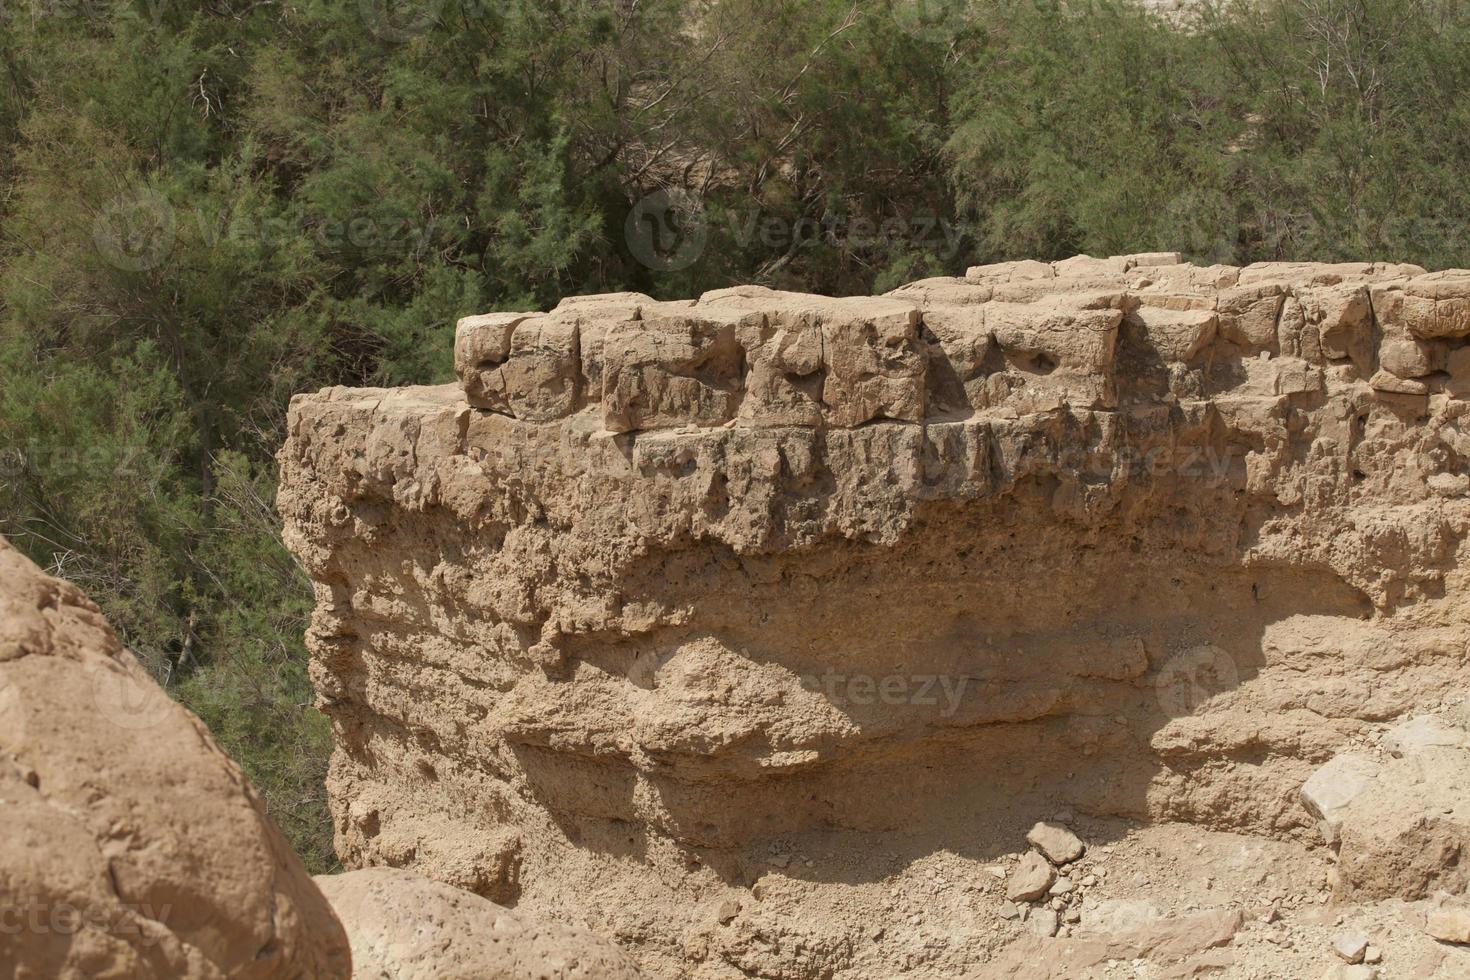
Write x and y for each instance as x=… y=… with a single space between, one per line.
x=659 y=589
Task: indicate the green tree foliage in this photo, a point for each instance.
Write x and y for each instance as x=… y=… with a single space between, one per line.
x=206 y=207
x=1279 y=129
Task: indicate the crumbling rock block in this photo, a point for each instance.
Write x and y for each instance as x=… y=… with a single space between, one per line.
x=1437 y=306
x=481 y=347
x=1011 y=271
x=669 y=369
x=1249 y=315
x=1180 y=336
x=1343 y=316
x=875 y=365
x=1054 y=355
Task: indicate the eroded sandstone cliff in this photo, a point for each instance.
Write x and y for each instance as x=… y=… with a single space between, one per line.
x=716 y=624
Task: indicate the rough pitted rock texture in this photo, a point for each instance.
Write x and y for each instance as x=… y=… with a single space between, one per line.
x=407 y=927
x=132 y=846
x=758 y=602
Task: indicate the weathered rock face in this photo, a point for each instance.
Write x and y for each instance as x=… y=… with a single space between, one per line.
x=661 y=590
x=406 y=927
x=132 y=846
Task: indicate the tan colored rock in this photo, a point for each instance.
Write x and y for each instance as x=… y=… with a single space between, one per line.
x=1178 y=335
x=132 y=845
x=1043 y=922
x=1086 y=265
x=1139 y=260
x=1405 y=357
x=406 y=927
x=1011 y=271
x=542 y=376
x=1405 y=834
x=671 y=369
x=1424 y=732
x=1344 y=971
x=1307 y=273
x=1249 y=315
x=1343 y=316
x=1031 y=878
x=1056 y=843
x=1350 y=946
x=1450 y=925
x=1457 y=363
x=1394 y=385
x=481 y=347
x=1053 y=355
x=1160 y=941
x=1436 y=306
x=875 y=364
x=1333 y=788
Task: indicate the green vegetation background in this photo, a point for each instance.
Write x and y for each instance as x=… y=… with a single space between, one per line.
x=206 y=207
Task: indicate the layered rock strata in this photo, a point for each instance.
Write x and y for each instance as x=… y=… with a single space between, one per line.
x=665 y=598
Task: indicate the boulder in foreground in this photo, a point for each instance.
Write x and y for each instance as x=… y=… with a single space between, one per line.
x=130 y=844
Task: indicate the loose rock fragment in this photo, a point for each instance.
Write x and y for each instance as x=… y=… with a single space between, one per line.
x=1350 y=946
x=1031 y=879
x=1043 y=922
x=1329 y=790
x=1059 y=844
x=1450 y=925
